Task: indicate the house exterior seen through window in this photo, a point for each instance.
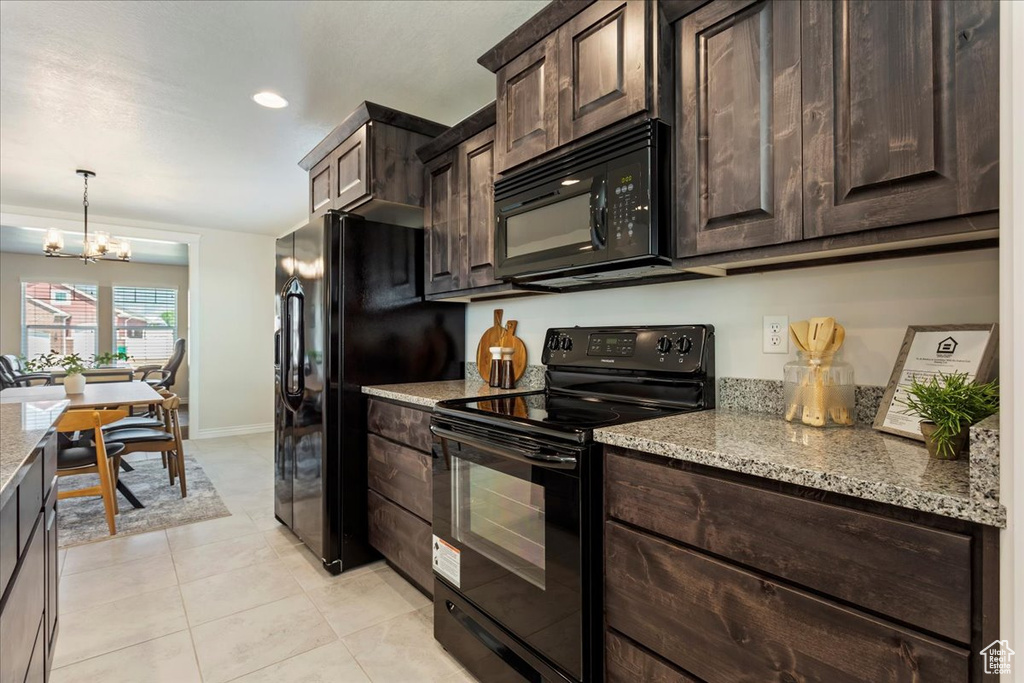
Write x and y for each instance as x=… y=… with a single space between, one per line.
x=59 y=317
x=145 y=322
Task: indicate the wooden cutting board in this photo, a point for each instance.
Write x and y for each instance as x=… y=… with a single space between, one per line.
x=518 y=349
x=491 y=337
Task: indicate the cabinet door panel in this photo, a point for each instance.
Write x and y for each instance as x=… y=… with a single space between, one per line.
x=738 y=154
x=602 y=67
x=443 y=233
x=900 y=112
x=351 y=170
x=527 y=119
x=403 y=538
x=320 y=187
x=476 y=207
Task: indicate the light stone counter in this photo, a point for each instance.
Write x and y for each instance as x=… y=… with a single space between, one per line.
x=856 y=461
x=22 y=427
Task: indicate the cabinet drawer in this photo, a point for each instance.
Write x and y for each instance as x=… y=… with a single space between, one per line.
x=725 y=624
x=408 y=426
x=403 y=538
x=627 y=664
x=912 y=573
x=30 y=500
x=400 y=474
x=23 y=610
x=49 y=448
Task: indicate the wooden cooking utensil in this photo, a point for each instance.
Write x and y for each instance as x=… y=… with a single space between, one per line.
x=491 y=337
x=821 y=333
x=510 y=340
x=798 y=331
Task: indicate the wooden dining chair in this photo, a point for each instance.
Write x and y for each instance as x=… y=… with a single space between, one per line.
x=75 y=460
x=166 y=441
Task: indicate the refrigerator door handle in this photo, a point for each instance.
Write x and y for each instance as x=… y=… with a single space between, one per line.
x=292 y=329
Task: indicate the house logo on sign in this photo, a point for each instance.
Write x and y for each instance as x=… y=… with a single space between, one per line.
x=997 y=657
x=946 y=347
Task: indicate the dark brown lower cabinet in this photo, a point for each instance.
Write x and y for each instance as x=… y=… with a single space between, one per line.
x=720 y=577
x=28 y=583
x=403 y=538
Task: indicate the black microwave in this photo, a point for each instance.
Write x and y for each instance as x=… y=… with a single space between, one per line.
x=598 y=213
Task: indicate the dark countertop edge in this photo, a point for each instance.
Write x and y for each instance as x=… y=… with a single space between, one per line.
x=477 y=122
x=7 y=489
x=895 y=494
x=364 y=113
x=549 y=18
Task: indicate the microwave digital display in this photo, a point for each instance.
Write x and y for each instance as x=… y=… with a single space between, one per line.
x=621 y=345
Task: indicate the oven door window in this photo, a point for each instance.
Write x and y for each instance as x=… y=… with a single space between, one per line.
x=501 y=517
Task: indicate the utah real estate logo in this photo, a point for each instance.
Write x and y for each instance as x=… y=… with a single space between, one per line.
x=997 y=657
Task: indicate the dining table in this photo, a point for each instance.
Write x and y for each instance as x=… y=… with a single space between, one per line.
x=99 y=396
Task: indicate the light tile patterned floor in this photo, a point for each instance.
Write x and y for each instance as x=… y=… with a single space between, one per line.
x=238 y=599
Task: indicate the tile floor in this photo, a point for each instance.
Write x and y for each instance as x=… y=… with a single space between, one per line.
x=238 y=599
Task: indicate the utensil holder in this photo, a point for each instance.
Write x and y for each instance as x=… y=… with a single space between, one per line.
x=819 y=390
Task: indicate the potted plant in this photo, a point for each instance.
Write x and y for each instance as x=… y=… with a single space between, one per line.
x=106 y=359
x=948 y=406
x=72 y=364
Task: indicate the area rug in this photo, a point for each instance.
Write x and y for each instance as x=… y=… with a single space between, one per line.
x=81 y=520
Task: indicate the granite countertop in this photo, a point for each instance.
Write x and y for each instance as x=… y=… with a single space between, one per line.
x=22 y=427
x=857 y=461
x=428 y=393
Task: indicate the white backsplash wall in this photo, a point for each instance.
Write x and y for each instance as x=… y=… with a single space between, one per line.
x=876 y=301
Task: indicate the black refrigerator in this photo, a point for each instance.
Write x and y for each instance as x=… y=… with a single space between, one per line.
x=350 y=313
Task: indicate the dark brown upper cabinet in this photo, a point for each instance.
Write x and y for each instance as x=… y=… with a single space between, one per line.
x=368 y=166
x=459 y=214
x=900 y=112
x=441 y=225
x=602 y=67
x=738 y=136
x=476 y=207
x=575 y=68
x=527 y=105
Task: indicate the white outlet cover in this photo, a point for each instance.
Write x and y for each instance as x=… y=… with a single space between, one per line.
x=775 y=334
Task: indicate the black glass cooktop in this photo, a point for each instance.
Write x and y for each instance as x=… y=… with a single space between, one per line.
x=555 y=411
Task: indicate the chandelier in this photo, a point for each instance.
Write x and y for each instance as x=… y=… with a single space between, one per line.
x=98 y=247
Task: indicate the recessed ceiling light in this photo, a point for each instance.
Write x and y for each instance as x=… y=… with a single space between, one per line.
x=270 y=99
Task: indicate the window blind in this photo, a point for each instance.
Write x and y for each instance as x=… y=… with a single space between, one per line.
x=145 y=322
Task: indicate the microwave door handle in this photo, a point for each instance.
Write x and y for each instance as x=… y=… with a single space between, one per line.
x=599 y=215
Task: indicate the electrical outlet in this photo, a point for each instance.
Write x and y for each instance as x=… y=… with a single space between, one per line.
x=775 y=334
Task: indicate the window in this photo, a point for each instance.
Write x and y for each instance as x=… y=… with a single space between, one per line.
x=58 y=317
x=145 y=323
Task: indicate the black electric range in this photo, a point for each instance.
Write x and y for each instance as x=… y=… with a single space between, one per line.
x=517 y=545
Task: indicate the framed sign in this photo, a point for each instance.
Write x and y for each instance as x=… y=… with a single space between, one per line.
x=927 y=351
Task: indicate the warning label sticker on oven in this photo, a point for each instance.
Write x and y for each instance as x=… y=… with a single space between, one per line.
x=446 y=561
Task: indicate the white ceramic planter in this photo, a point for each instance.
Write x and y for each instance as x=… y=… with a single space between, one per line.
x=74 y=384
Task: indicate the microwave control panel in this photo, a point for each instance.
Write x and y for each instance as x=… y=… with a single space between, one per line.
x=627 y=203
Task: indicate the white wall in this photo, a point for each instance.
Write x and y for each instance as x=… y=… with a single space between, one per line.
x=875 y=301
x=18 y=268
x=236 y=332
x=231 y=316
x=1011 y=371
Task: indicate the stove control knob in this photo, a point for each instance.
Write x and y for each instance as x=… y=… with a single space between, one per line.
x=684 y=346
x=567 y=343
x=664 y=345
x=553 y=342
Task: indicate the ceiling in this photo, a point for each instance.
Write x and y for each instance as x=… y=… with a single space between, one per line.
x=30 y=241
x=156 y=96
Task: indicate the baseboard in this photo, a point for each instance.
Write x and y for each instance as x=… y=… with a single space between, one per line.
x=241 y=430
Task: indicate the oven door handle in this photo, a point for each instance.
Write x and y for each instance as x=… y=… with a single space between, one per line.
x=532 y=457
